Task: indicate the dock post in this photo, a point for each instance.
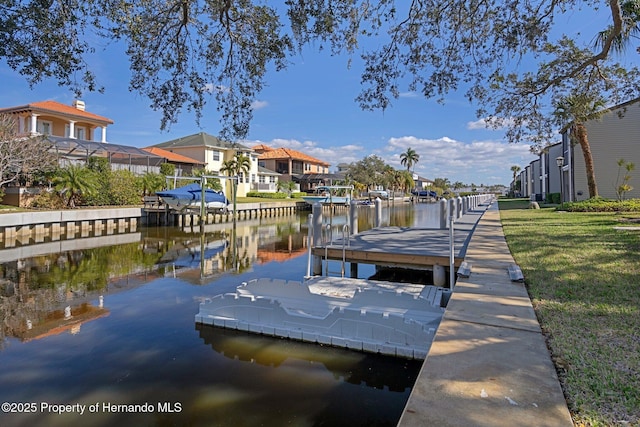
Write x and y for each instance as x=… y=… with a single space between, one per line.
x=309 y=243
x=451 y=252
x=443 y=213
x=353 y=217
x=317 y=236
x=459 y=207
x=378 y=206
x=452 y=210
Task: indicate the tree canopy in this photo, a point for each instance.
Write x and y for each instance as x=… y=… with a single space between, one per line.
x=511 y=57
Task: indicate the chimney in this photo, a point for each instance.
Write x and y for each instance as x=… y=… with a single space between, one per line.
x=78 y=104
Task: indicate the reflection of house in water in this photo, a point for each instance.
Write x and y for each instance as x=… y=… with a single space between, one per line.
x=46 y=293
x=58 y=321
x=282 y=250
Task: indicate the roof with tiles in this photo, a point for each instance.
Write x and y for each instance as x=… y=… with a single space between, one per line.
x=288 y=153
x=57 y=108
x=172 y=157
x=201 y=139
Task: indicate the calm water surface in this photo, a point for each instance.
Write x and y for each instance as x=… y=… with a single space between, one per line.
x=110 y=331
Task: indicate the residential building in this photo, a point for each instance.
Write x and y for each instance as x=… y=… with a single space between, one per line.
x=561 y=166
x=421 y=183
x=614 y=136
x=184 y=165
x=77 y=134
x=57 y=119
x=293 y=165
x=213 y=152
x=287 y=161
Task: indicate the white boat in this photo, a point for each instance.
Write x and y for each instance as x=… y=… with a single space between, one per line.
x=330 y=194
x=190 y=197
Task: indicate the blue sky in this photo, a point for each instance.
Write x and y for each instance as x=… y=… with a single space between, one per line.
x=309 y=107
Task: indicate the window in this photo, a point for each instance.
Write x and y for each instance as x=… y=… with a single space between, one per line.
x=272 y=179
x=240 y=177
x=261 y=179
x=253 y=177
x=81 y=133
x=45 y=127
x=216 y=156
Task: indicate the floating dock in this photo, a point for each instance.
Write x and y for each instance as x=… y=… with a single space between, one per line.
x=396 y=319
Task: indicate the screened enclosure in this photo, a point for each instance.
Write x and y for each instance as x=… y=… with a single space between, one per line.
x=75 y=151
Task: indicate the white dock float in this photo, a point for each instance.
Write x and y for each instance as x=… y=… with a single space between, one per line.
x=397 y=319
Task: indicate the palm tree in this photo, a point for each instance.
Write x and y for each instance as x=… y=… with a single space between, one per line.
x=409 y=158
x=630 y=11
x=578 y=109
x=286 y=187
x=515 y=169
x=75 y=181
x=234 y=167
x=152 y=182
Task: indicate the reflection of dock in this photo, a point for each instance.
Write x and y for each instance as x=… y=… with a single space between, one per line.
x=352 y=368
x=379 y=317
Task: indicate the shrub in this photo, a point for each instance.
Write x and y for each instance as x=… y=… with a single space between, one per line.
x=267 y=195
x=124 y=188
x=48 y=200
x=553 y=198
x=598 y=204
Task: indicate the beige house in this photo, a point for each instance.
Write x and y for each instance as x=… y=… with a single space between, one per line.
x=77 y=135
x=615 y=136
x=213 y=152
x=57 y=119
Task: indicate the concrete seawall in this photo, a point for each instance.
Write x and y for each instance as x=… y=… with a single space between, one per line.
x=30 y=227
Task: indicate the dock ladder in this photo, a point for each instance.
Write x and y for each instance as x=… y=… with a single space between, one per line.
x=328 y=232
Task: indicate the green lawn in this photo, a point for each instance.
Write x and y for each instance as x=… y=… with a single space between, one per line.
x=583 y=277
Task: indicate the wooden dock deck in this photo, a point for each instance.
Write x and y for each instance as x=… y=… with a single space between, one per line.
x=404 y=247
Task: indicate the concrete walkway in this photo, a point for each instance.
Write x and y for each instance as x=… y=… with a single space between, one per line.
x=488 y=364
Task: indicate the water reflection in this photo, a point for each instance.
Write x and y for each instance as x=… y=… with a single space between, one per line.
x=352 y=367
x=111 y=318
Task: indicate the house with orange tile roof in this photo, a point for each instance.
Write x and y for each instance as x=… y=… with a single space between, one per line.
x=77 y=134
x=184 y=165
x=308 y=172
x=287 y=161
x=57 y=119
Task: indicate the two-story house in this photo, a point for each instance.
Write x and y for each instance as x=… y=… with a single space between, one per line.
x=293 y=165
x=57 y=119
x=213 y=152
x=77 y=134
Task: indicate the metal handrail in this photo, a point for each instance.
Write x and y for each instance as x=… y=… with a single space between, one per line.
x=345 y=243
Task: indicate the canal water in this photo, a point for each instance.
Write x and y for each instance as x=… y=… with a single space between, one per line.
x=104 y=334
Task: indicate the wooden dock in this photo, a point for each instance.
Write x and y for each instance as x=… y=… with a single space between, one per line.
x=404 y=247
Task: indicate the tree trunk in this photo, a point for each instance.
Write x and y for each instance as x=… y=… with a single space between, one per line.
x=580 y=133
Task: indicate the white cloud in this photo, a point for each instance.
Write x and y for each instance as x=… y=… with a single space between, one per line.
x=257 y=105
x=478 y=162
x=460 y=161
x=492 y=123
x=410 y=94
